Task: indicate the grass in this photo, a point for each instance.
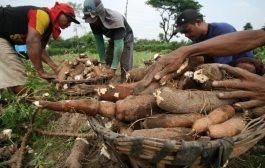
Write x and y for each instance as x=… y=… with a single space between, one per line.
x=254 y=158
x=138 y=57
x=48 y=151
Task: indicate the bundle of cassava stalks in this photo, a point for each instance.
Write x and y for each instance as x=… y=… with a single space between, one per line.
x=79 y=71
x=182 y=108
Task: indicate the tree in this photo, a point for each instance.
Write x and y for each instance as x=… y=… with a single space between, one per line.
x=248 y=26
x=169 y=10
x=161 y=37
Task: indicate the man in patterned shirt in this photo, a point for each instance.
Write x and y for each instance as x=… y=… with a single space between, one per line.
x=32 y=26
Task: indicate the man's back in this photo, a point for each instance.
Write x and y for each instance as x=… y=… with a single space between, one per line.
x=216 y=29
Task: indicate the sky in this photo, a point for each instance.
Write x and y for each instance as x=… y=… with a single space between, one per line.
x=144 y=19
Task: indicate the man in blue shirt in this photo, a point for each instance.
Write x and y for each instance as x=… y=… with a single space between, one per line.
x=191 y=23
x=248 y=86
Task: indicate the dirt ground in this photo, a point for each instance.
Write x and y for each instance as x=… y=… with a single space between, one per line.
x=71 y=122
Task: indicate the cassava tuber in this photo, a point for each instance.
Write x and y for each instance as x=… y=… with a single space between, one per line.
x=170 y=120
x=164 y=133
x=228 y=128
x=129 y=109
x=188 y=101
x=218 y=115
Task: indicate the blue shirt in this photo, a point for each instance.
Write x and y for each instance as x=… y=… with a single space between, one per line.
x=216 y=29
x=21 y=48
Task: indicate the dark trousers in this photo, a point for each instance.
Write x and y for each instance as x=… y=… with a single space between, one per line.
x=126 y=60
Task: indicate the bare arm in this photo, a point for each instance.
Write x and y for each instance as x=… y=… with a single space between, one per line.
x=35 y=51
x=34 y=47
x=47 y=59
x=227 y=44
x=248 y=86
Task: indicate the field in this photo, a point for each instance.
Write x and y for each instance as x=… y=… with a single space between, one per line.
x=46 y=151
x=15 y=113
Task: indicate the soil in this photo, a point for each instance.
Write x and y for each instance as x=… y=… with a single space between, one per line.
x=71 y=122
x=68 y=122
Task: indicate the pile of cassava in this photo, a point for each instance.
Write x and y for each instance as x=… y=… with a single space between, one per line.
x=184 y=107
x=81 y=70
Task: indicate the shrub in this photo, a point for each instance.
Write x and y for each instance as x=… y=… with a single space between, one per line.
x=260 y=53
x=157 y=45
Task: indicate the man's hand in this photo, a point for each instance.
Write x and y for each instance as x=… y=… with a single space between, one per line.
x=57 y=70
x=105 y=65
x=45 y=75
x=163 y=68
x=111 y=73
x=47 y=59
x=248 y=86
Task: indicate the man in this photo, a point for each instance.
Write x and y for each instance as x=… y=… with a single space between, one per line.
x=32 y=26
x=191 y=23
x=113 y=25
x=248 y=85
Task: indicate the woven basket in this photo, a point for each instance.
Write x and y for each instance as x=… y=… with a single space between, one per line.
x=150 y=152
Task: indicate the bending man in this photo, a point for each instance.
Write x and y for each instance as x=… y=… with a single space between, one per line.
x=32 y=26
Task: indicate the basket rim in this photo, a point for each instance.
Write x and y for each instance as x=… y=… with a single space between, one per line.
x=94 y=121
x=242 y=142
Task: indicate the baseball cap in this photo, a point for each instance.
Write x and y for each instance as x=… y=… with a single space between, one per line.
x=187 y=16
x=66 y=9
x=72 y=16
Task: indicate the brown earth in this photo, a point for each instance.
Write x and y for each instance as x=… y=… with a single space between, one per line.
x=71 y=122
